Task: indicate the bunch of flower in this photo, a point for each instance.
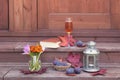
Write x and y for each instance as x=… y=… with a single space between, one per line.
x=34 y=52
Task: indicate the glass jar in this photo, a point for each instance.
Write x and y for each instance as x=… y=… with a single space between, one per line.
x=34 y=64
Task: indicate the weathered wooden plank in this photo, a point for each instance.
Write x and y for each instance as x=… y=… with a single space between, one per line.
x=3 y=71
x=86 y=14
x=115 y=21
x=30 y=15
x=115 y=14
x=48 y=57
x=39 y=38
x=27 y=13
x=3 y=14
x=80 y=21
x=105 y=39
x=12 y=52
x=20 y=39
x=84 y=35
x=34 y=15
x=108 y=57
x=11 y=15
x=18 y=46
x=15 y=74
x=18 y=15
x=1 y=7
x=13 y=57
x=115 y=4
x=80 y=6
x=114 y=58
x=27 y=16
x=43 y=10
x=23 y=15
x=54 y=33
x=23 y=18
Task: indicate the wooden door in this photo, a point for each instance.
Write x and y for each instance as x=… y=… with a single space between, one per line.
x=46 y=15
x=86 y=14
x=35 y=20
x=3 y=14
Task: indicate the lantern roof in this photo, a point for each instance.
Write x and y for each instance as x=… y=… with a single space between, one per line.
x=91 y=49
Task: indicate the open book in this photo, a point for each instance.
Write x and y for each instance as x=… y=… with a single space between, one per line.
x=50 y=43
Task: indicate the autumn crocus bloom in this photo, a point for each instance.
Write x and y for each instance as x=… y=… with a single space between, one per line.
x=26 y=49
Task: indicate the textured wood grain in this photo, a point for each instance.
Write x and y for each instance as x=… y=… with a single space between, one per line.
x=30 y=15
x=12 y=52
x=18 y=15
x=80 y=20
x=24 y=15
x=11 y=15
x=79 y=6
x=86 y=14
x=51 y=14
x=34 y=15
x=113 y=73
x=116 y=21
x=115 y=4
x=43 y=12
x=3 y=71
x=45 y=18
x=3 y=14
x=27 y=12
x=115 y=11
x=84 y=35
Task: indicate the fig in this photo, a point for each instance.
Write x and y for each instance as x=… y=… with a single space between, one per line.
x=79 y=43
x=77 y=70
x=56 y=62
x=70 y=71
x=64 y=64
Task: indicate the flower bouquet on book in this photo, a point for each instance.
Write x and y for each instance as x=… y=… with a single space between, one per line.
x=34 y=52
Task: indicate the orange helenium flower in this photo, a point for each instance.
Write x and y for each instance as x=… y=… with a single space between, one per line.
x=36 y=49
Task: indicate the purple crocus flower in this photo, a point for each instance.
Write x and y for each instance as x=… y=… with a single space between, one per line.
x=26 y=49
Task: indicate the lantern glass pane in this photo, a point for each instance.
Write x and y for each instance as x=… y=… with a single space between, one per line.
x=97 y=59
x=91 y=62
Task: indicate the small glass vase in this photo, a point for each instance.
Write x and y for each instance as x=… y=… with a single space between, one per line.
x=34 y=64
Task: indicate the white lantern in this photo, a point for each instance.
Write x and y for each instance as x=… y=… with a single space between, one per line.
x=90 y=58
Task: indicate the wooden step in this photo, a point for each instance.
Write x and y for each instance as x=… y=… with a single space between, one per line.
x=11 y=55
x=12 y=52
x=107 y=35
x=11 y=71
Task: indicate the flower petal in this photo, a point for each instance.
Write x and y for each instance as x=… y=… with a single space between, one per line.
x=26 y=49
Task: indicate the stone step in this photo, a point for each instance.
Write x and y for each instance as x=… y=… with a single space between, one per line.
x=12 y=52
x=11 y=71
